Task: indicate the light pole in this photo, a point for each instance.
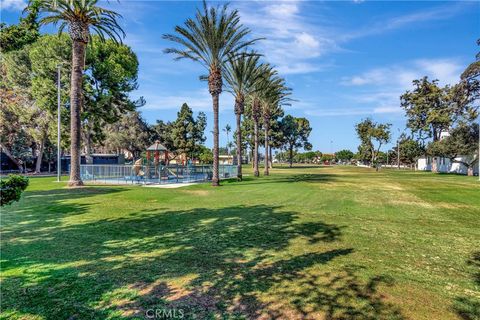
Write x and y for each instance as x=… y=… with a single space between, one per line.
x=59 y=166
x=398 y=147
x=398 y=153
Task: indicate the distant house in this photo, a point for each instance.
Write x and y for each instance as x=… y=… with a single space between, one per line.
x=226 y=159
x=445 y=165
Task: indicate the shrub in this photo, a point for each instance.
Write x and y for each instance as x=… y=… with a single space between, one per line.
x=11 y=189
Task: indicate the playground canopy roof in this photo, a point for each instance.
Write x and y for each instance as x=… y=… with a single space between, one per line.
x=157 y=146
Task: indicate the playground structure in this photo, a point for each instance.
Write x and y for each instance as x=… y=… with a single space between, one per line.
x=155 y=169
x=161 y=174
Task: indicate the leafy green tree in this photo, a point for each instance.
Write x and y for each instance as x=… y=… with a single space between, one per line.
x=44 y=56
x=427 y=110
x=305 y=157
x=431 y=109
x=16 y=36
x=130 y=133
x=162 y=131
x=410 y=150
x=295 y=132
x=188 y=132
x=11 y=189
x=462 y=141
x=274 y=96
x=344 y=155
x=12 y=124
x=275 y=137
x=81 y=17
x=111 y=72
x=214 y=36
x=369 y=133
x=469 y=86
x=205 y=155
x=327 y=157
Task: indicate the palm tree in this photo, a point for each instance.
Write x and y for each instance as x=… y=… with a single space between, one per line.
x=255 y=100
x=241 y=75
x=82 y=17
x=227 y=130
x=211 y=38
x=274 y=96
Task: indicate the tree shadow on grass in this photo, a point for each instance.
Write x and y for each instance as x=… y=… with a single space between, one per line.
x=317 y=178
x=208 y=262
x=48 y=207
x=468 y=308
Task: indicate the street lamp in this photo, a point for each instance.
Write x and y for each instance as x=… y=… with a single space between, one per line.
x=398 y=147
x=59 y=166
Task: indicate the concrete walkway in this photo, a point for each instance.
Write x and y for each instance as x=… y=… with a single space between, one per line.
x=170 y=185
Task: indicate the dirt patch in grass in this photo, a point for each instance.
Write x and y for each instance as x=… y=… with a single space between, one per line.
x=411 y=202
x=447 y=205
x=164 y=296
x=201 y=193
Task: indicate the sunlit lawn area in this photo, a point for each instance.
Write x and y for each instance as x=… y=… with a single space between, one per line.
x=308 y=242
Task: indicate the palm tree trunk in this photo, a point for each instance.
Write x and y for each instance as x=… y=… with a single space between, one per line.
x=76 y=100
x=239 y=147
x=215 y=177
x=266 y=169
x=270 y=156
x=255 y=151
x=291 y=156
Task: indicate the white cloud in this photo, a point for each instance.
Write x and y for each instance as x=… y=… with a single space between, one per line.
x=447 y=71
x=291 y=42
x=305 y=39
x=392 y=109
x=345 y=112
x=381 y=88
x=408 y=20
x=294 y=38
x=13 y=5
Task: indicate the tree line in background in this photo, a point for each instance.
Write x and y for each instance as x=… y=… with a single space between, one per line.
x=97 y=74
x=441 y=121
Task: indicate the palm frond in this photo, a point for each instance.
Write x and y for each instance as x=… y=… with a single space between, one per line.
x=98 y=20
x=211 y=37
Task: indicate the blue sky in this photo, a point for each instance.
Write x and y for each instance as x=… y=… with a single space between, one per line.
x=345 y=60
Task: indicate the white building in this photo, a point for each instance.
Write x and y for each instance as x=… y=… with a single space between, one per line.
x=445 y=165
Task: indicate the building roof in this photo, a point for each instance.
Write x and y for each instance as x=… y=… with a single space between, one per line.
x=157 y=146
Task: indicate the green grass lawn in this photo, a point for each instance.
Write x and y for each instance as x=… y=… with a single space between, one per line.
x=304 y=243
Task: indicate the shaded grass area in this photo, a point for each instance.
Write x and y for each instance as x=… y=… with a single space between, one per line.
x=304 y=243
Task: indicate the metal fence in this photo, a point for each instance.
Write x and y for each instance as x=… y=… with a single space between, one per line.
x=130 y=174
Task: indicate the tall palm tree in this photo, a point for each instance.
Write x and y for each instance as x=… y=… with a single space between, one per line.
x=255 y=99
x=82 y=17
x=227 y=130
x=241 y=75
x=274 y=96
x=211 y=38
